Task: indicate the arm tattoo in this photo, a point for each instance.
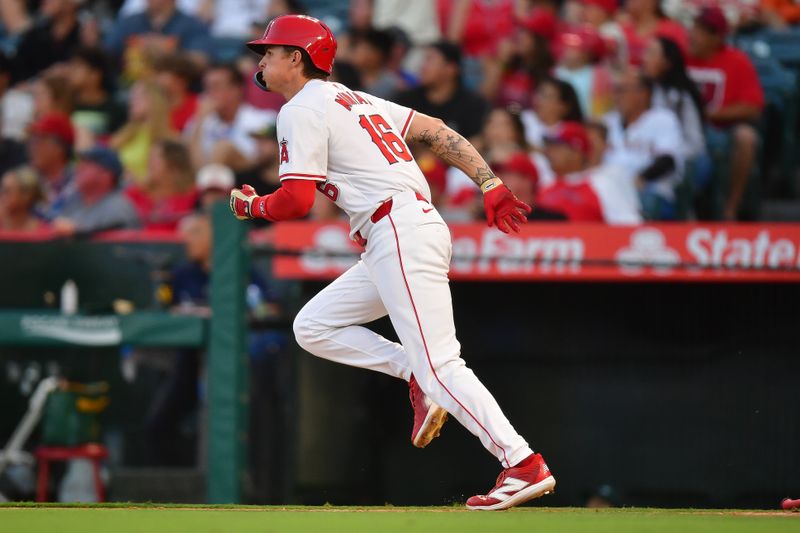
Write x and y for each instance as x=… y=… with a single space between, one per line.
x=456 y=151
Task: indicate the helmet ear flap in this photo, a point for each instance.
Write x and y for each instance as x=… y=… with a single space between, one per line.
x=258 y=79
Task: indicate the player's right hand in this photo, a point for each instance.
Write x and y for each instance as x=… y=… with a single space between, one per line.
x=503 y=209
x=241 y=202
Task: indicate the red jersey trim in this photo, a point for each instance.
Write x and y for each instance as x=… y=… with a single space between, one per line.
x=407 y=124
x=296 y=176
x=425 y=345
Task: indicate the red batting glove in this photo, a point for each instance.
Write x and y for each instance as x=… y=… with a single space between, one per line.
x=245 y=203
x=503 y=209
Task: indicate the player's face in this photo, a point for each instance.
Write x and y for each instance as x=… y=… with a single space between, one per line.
x=276 y=67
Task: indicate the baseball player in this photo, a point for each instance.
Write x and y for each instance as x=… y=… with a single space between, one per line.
x=352 y=147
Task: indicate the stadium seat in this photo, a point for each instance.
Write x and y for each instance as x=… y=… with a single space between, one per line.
x=47 y=454
x=781 y=92
x=776 y=57
x=784 y=46
x=779 y=45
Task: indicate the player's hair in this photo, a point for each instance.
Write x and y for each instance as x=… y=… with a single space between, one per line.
x=310 y=71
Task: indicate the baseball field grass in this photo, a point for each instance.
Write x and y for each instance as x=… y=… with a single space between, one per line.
x=157 y=518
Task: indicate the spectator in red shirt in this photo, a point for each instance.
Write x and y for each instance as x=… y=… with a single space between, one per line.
x=582 y=193
x=647 y=20
x=732 y=95
x=568 y=150
x=168 y=193
x=581 y=52
x=521 y=176
x=522 y=61
x=175 y=74
x=478 y=27
x=600 y=14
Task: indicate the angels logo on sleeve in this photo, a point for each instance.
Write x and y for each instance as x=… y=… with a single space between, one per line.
x=284 y=151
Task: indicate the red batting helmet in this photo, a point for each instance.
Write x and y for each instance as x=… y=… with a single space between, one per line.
x=301 y=31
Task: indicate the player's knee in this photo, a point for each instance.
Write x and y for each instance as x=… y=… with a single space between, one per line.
x=451 y=365
x=304 y=331
x=431 y=375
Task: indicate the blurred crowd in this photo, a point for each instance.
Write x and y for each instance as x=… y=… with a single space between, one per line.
x=136 y=113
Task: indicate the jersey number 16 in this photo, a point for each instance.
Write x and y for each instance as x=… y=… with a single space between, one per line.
x=391 y=146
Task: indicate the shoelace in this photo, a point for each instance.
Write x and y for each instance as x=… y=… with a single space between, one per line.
x=500 y=479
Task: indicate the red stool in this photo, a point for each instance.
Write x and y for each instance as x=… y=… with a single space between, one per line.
x=44 y=454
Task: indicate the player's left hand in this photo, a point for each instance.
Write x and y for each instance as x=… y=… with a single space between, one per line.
x=505 y=210
x=241 y=202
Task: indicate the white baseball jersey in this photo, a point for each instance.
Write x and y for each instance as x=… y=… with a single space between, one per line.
x=352 y=144
x=617 y=195
x=657 y=132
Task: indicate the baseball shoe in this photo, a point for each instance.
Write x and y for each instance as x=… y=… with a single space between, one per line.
x=518 y=484
x=428 y=417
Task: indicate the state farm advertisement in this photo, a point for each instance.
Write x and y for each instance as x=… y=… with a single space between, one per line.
x=579 y=252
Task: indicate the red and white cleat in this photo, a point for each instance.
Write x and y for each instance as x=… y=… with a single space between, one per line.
x=428 y=416
x=518 y=484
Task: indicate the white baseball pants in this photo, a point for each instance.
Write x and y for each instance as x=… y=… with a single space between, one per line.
x=403 y=272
